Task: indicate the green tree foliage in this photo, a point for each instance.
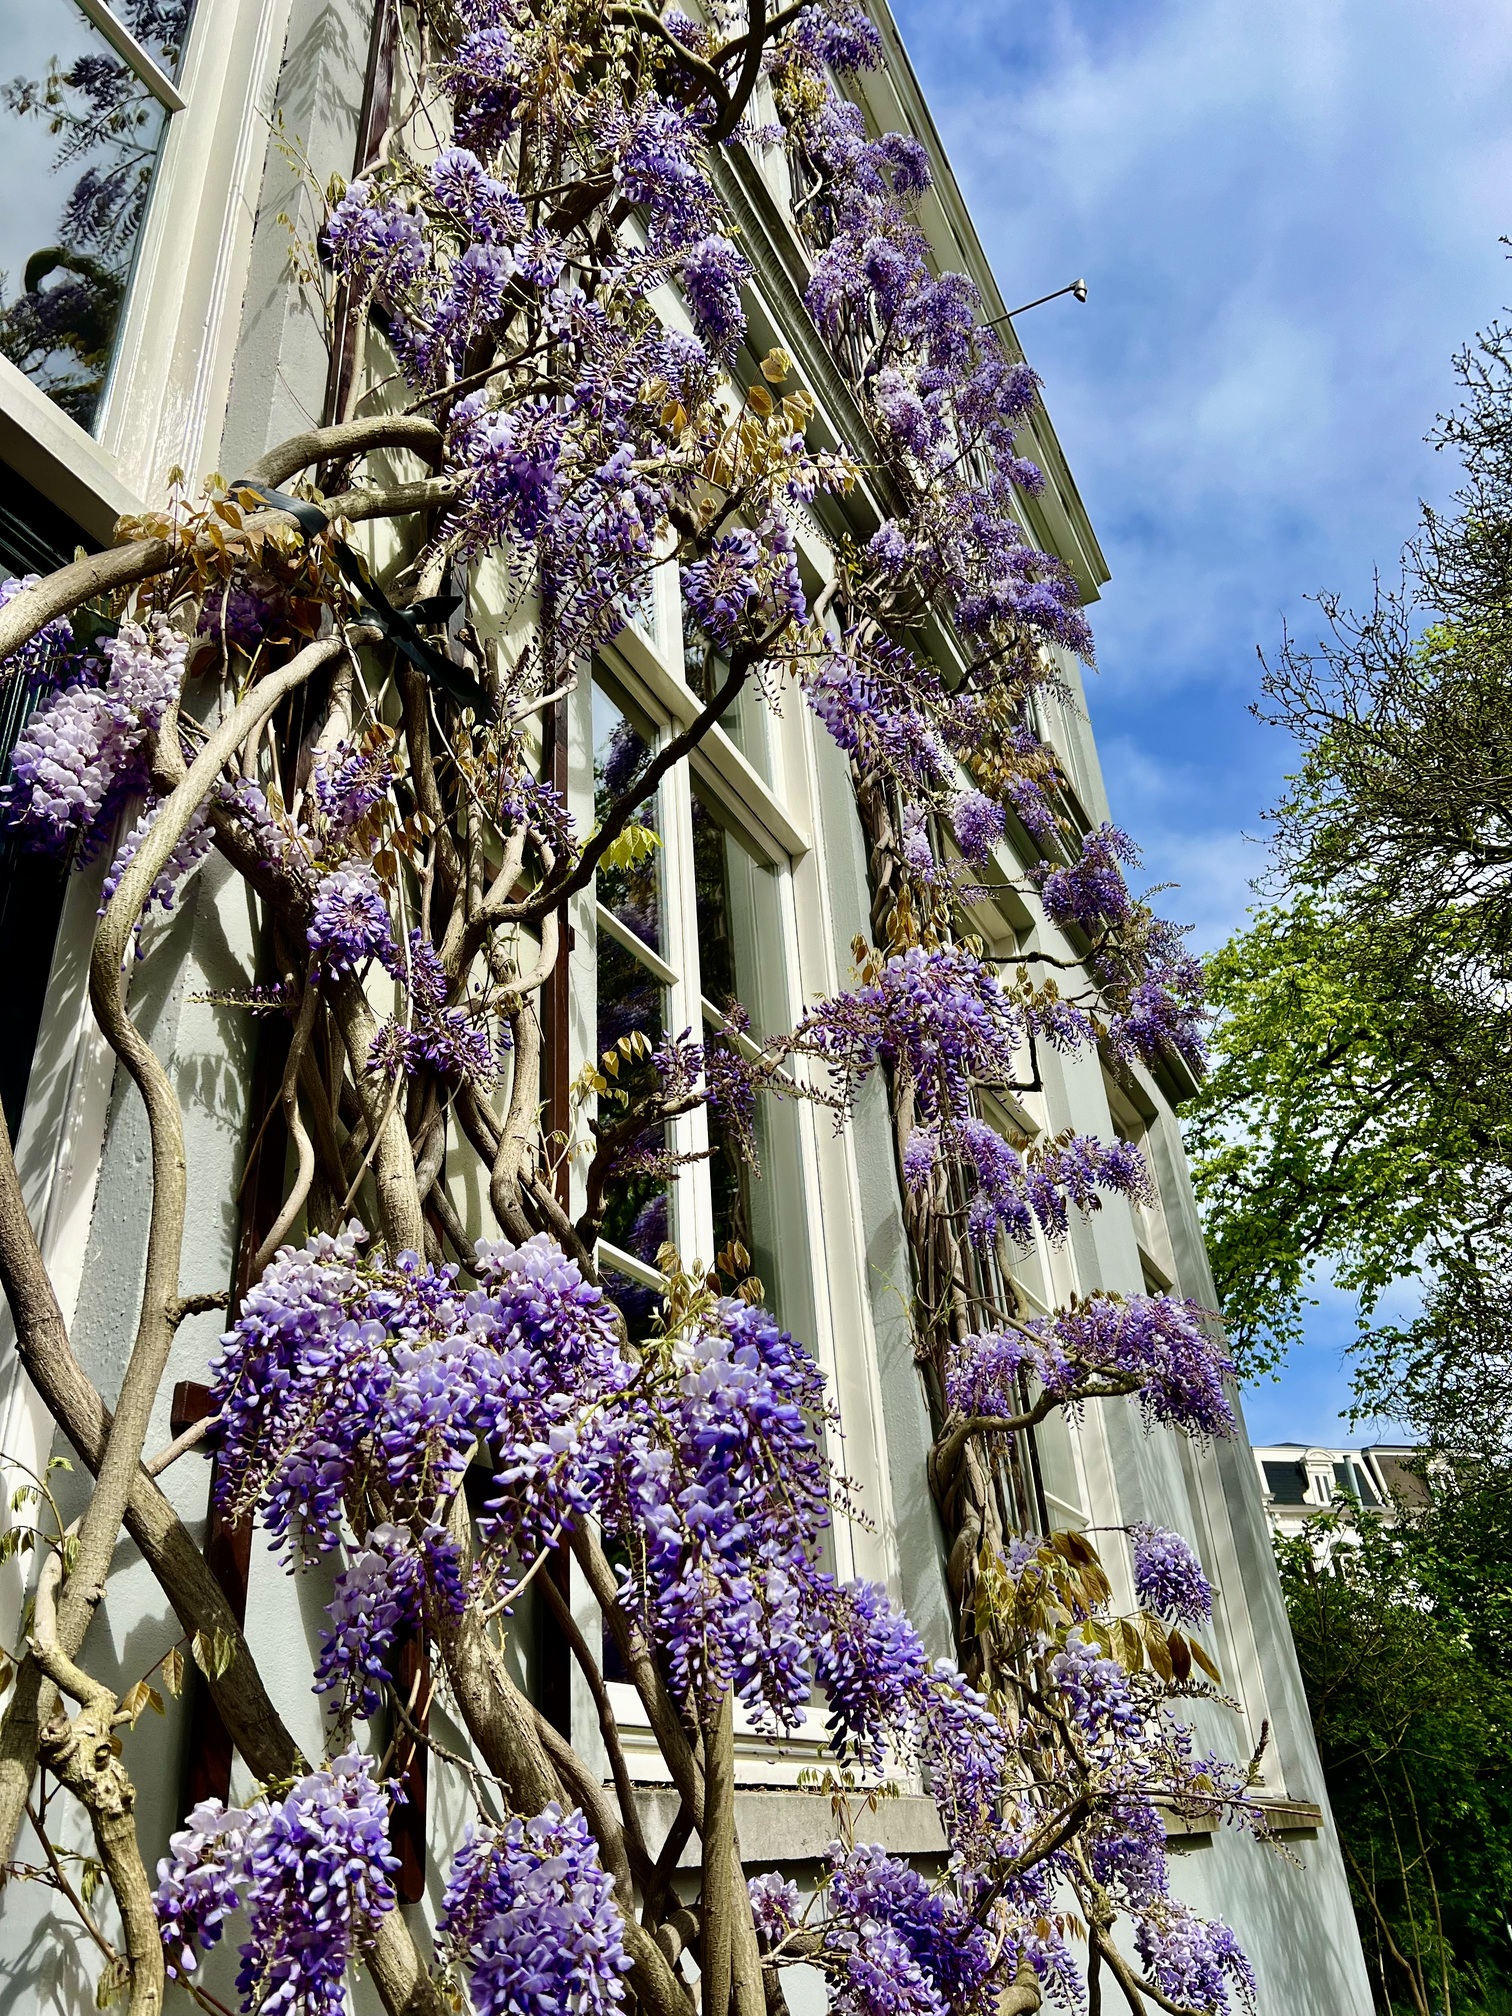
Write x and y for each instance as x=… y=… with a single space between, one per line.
x=1359 y=1114
x=1407 y=1661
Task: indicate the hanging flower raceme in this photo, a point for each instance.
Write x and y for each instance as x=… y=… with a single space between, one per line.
x=1149 y=980
x=721 y=1496
x=1091 y=891
x=340 y=1373
x=449 y=1040
x=44 y=661
x=883 y=1692
x=1168 y=1577
x=189 y=851
x=1197 y=1962
x=312 y=1871
x=1155 y=1343
x=940 y=1018
x=350 y=925
x=945 y=1025
x=529 y=1914
x=83 y=753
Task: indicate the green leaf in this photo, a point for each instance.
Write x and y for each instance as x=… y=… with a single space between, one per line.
x=630 y=847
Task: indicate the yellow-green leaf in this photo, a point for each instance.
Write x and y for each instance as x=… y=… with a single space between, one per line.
x=135 y=1699
x=213 y=1652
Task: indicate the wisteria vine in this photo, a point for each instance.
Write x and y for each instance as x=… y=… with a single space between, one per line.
x=446 y=1416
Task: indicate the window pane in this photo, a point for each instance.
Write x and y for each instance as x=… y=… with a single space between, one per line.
x=631 y=999
x=747 y=722
x=161 y=26
x=34 y=538
x=621 y=750
x=740 y=952
x=82 y=135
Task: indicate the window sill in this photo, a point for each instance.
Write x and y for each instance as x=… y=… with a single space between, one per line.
x=57 y=457
x=784 y=1825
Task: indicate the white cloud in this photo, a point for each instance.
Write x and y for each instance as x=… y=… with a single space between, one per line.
x=1287 y=212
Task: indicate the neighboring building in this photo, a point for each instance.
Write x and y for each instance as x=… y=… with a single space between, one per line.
x=204 y=351
x=1300 y=1484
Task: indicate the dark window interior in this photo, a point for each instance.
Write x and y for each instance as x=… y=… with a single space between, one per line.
x=35 y=537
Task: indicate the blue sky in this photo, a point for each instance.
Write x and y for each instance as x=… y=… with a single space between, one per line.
x=1287 y=213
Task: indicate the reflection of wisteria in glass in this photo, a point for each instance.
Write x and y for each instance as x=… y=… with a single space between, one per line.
x=630 y=998
x=89 y=117
x=730 y=1172
x=732 y=924
x=620 y=751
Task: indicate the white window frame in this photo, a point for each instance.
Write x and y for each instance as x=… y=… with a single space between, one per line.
x=165 y=397
x=773 y=822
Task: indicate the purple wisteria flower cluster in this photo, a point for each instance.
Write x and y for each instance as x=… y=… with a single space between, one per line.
x=44 y=660
x=1157 y=1344
x=341 y=1372
x=727 y=1493
x=312 y=1870
x=945 y=1026
x=83 y=754
x=1140 y=1757
x=1152 y=982
x=350 y=925
x=450 y=1039
x=1168 y=1577
x=529 y=1914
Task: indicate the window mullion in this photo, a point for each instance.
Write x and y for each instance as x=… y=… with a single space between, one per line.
x=132 y=54
x=694 y=1215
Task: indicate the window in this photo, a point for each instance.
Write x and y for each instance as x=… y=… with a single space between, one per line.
x=1156 y=1258
x=632 y=971
x=742 y=960
x=1351 y=1479
x=698 y=932
x=697 y=923
x=91 y=96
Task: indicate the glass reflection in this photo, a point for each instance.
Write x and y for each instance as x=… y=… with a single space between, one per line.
x=747 y=722
x=741 y=965
x=82 y=137
x=630 y=998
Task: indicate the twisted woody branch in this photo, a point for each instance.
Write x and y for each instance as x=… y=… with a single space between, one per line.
x=363 y=756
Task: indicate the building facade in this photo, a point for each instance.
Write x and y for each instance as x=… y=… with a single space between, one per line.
x=1300 y=1484
x=190 y=340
